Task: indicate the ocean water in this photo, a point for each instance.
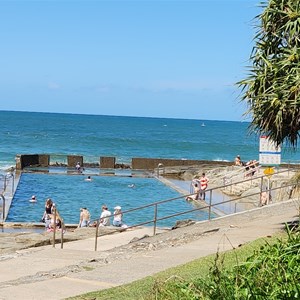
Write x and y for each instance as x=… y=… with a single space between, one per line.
x=94 y=136
x=125 y=137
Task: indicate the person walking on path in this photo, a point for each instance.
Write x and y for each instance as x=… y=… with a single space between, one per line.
x=203 y=186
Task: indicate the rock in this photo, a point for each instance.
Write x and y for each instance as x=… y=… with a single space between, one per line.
x=136 y=239
x=183 y=223
x=33 y=239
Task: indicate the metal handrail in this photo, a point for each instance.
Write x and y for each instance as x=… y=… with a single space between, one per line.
x=205 y=205
x=6 y=178
x=256 y=177
x=3 y=206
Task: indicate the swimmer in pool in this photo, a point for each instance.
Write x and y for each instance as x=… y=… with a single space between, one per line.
x=33 y=199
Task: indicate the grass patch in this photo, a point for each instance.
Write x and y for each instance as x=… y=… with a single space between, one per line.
x=148 y=287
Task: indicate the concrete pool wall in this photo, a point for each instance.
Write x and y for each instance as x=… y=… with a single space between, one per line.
x=108 y=162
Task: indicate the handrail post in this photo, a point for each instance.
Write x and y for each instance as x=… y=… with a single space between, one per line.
x=62 y=234
x=155 y=218
x=3 y=207
x=54 y=228
x=13 y=184
x=210 y=200
x=160 y=165
x=96 y=237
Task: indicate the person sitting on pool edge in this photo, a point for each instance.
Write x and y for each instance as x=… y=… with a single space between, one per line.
x=49 y=207
x=105 y=216
x=57 y=225
x=118 y=216
x=84 y=220
x=196 y=188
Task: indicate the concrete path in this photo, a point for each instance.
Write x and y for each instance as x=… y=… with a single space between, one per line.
x=54 y=273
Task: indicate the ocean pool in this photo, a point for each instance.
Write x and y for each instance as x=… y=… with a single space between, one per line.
x=70 y=192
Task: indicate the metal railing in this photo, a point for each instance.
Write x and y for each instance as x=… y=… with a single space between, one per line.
x=3 y=206
x=6 y=179
x=250 y=179
x=204 y=206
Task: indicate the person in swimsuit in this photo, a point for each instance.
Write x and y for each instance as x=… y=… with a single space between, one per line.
x=203 y=186
x=33 y=199
x=48 y=212
x=196 y=189
x=238 y=161
x=85 y=216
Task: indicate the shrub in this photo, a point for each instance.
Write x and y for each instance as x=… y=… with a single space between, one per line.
x=272 y=272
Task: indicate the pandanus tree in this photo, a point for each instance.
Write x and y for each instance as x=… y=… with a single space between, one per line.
x=272 y=87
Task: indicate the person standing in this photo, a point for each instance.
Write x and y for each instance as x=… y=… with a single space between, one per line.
x=203 y=186
x=78 y=167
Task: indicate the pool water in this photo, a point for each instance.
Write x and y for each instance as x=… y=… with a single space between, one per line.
x=70 y=192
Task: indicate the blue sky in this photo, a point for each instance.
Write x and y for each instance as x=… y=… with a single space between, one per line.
x=174 y=59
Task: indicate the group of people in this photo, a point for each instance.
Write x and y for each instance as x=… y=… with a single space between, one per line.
x=250 y=166
x=199 y=187
x=52 y=219
x=85 y=217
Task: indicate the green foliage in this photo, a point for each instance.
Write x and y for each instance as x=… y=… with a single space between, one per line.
x=296 y=178
x=272 y=272
x=272 y=88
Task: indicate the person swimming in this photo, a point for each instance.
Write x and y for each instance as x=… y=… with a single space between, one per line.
x=33 y=199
